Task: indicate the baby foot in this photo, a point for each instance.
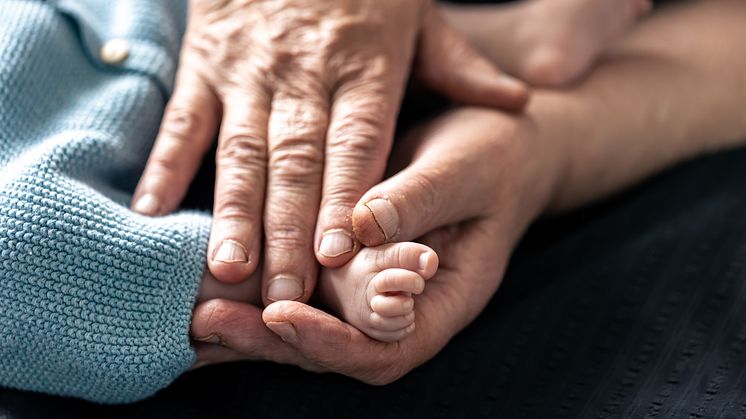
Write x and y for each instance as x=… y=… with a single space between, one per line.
x=374 y=291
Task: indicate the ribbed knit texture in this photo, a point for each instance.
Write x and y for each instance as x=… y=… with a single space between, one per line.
x=95 y=301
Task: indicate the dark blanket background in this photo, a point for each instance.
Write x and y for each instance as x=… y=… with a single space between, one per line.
x=632 y=308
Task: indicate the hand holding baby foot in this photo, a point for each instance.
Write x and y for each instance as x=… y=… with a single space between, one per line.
x=473 y=226
x=306 y=93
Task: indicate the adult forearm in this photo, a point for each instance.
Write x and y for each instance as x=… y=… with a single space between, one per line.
x=676 y=88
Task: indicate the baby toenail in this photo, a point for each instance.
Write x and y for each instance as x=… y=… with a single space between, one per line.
x=385 y=216
x=336 y=243
x=424 y=261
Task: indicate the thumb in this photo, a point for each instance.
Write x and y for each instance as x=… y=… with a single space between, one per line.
x=228 y=330
x=407 y=206
x=450 y=177
x=332 y=344
x=449 y=64
x=430 y=193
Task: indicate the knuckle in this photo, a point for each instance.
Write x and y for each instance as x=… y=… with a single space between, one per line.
x=296 y=161
x=243 y=152
x=236 y=205
x=287 y=235
x=341 y=193
x=298 y=115
x=340 y=198
x=359 y=134
x=179 y=122
x=354 y=152
x=165 y=166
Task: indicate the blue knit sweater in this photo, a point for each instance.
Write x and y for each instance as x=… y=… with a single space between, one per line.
x=95 y=301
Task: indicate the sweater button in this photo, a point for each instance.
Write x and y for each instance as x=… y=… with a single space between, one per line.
x=115 y=51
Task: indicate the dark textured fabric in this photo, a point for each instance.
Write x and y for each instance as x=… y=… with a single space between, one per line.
x=633 y=308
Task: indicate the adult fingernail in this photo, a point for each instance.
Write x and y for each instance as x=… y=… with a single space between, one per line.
x=285 y=287
x=335 y=243
x=284 y=330
x=148 y=204
x=385 y=216
x=231 y=252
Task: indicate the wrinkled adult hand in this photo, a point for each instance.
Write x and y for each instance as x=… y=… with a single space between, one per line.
x=306 y=93
x=475 y=200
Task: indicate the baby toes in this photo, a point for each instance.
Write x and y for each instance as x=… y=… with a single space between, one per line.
x=392 y=305
x=396 y=281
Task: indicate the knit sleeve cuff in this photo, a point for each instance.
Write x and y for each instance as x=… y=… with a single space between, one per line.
x=95 y=301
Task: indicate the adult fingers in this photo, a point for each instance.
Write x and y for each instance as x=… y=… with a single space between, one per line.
x=296 y=140
x=336 y=346
x=438 y=188
x=448 y=63
x=188 y=128
x=241 y=163
x=230 y=331
x=357 y=147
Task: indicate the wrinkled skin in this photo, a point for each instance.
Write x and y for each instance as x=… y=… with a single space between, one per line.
x=305 y=94
x=478 y=209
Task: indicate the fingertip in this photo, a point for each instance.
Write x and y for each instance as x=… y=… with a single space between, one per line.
x=365 y=228
x=511 y=93
x=375 y=222
x=231 y=262
x=147 y=204
x=336 y=247
x=276 y=312
x=231 y=273
x=285 y=287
